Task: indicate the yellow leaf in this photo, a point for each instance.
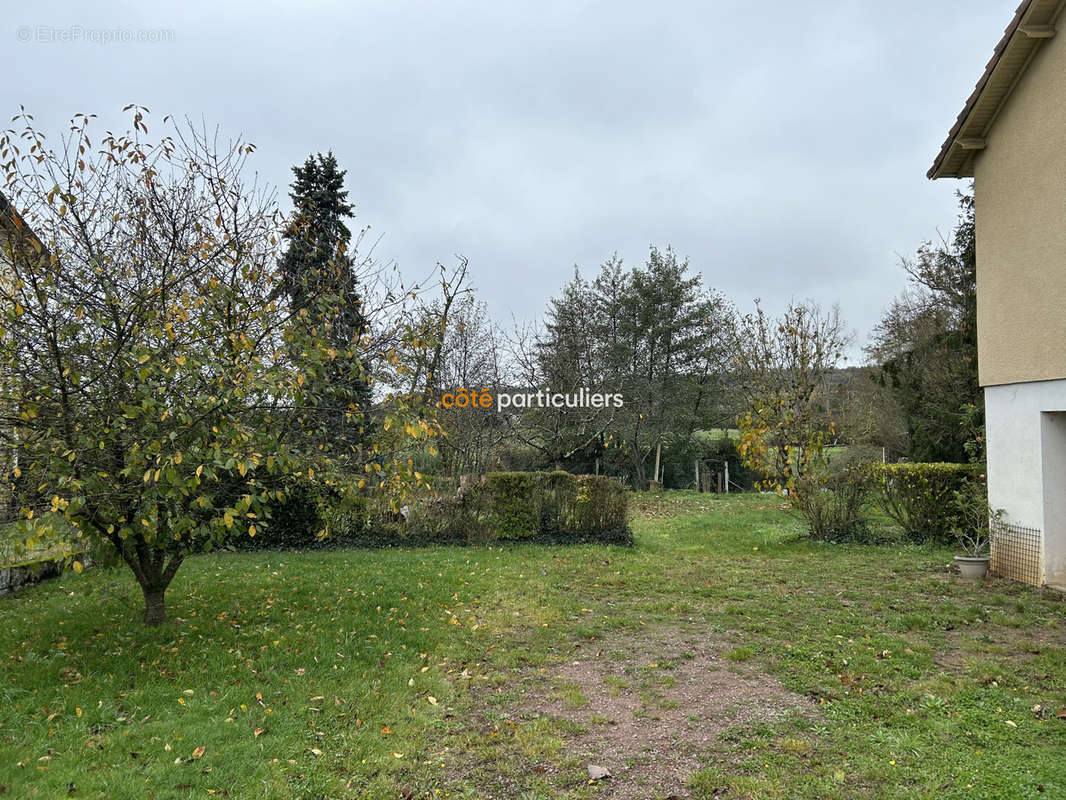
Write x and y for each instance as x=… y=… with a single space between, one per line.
x=76 y=566
x=77 y=710
x=432 y=700
x=143 y=358
x=18 y=472
x=242 y=469
x=251 y=530
x=199 y=751
x=199 y=469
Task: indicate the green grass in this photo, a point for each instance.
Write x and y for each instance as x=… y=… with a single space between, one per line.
x=357 y=673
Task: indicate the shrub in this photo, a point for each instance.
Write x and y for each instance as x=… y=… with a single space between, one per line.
x=600 y=509
x=920 y=497
x=549 y=507
x=449 y=517
x=503 y=507
x=292 y=522
x=514 y=503
x=834 y=507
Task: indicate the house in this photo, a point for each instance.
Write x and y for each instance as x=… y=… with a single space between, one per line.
x=15 y=234
x=1011 y=139
x=16 y=238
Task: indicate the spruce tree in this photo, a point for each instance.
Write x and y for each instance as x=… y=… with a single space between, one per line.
x=318 y=277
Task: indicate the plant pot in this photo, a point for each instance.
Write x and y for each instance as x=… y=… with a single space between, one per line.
x=972 y=568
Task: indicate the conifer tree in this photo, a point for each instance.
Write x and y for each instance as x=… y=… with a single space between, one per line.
x=318 y=276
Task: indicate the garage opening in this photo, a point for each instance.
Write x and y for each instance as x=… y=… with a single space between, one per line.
x=1053 y=462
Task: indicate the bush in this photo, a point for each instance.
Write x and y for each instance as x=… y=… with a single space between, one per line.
x=514 y=503
x=600 y=508
x=543 y=506
x=313 y=516
x=548 y=507
x=921 y=497
x=291 y=522
x=834 y=507
x=448 y=518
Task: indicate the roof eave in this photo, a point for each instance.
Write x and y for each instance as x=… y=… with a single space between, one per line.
x=1033 y=23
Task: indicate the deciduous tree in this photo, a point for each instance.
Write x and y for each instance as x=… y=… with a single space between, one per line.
x=926 y=343
x=780 y=367
x=154 y=388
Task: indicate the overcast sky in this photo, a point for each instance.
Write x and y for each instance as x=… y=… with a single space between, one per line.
x=781 y=146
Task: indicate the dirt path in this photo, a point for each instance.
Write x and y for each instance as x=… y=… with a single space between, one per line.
x=650 y=705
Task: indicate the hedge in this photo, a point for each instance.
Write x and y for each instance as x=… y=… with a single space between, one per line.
x=546 y=507
x=920 y=497
x=527 y=506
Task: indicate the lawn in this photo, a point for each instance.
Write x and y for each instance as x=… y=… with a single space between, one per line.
x=724 y=656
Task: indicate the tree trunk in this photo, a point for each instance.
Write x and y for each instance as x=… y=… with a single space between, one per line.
x=638 y=472
x=155 y=610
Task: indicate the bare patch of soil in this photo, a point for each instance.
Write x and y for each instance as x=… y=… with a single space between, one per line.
x=650 y=705
x=1012 y=645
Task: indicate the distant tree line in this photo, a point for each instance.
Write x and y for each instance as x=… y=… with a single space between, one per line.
x=688 y=362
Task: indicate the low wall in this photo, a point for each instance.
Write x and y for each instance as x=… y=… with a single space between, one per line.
x=16 y=576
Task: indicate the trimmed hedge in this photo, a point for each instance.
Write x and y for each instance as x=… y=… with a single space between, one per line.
x=545 y=507
x=527 y=506
x=921 y=497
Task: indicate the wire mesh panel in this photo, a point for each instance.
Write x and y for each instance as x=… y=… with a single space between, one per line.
x=1017 y=553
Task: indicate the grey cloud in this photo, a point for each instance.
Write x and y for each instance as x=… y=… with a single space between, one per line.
x=782 y=146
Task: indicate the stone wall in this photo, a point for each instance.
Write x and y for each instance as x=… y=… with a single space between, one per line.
x=15 y=577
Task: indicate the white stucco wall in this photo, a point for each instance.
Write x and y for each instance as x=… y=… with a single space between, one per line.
x=1026 y=453
x=1053 y=446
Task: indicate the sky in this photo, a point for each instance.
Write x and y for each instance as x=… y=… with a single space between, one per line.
x=780 y=146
